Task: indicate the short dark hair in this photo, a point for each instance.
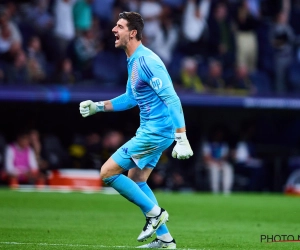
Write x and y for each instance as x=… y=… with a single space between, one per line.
x=135 y=22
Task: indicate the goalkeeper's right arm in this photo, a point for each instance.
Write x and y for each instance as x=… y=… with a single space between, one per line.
x=88 y=108
x=122 y=102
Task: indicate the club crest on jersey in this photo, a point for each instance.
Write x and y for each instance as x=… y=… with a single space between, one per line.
x=156 y=83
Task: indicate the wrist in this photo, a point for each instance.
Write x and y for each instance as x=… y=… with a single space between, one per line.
x=180 y=136
x=100 y=106
x=180 y=130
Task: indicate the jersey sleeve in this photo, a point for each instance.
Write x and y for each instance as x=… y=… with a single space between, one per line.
x=155 y=74
x=124 y=101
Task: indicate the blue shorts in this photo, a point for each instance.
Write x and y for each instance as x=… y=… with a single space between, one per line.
x=142 y=150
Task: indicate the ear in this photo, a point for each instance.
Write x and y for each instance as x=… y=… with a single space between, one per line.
x=133 y=34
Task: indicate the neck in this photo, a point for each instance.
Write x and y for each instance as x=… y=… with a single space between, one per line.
x=131 y=47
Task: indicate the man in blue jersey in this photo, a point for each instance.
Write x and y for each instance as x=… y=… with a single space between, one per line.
x=150 y=87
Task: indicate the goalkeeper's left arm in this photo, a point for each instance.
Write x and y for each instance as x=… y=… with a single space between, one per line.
x=182 y=149
x=166 y=92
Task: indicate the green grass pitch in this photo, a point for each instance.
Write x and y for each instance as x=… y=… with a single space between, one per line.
x=58 y=221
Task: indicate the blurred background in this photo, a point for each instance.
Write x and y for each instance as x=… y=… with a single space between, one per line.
x=235 y=64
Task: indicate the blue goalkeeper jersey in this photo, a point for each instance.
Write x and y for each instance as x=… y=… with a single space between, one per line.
x=150 y=87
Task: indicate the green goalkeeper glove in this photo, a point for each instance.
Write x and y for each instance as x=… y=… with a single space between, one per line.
x=88 y=108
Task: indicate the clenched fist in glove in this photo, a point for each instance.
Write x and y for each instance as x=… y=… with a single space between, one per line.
x=182 y=149
x=88 y=108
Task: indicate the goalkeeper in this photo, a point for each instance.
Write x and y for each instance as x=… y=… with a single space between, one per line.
x=161 y=120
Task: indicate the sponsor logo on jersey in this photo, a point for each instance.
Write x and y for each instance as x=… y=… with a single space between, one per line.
x=156 y=83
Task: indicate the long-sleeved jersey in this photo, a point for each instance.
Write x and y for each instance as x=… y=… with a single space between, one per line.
x=150 y=87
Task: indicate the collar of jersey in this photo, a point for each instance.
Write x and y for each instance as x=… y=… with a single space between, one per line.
x=140 y=47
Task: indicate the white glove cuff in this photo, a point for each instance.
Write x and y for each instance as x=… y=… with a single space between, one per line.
x=99 y=106
x=180 y=136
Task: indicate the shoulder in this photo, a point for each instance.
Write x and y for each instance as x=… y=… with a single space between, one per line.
x=147 y=56
x=145 y=65
x=150 y=62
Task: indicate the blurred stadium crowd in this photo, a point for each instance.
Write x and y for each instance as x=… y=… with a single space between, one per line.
x=222 y=47
x=222 y=162
x=234 y=47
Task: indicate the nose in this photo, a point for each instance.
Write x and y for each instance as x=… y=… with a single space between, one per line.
x=114 y=30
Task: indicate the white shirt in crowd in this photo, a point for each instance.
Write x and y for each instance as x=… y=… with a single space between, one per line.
x=151 y=10
x=193 y=26
x=63 y=15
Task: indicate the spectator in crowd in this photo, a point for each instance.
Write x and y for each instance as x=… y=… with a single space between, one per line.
x=194 y=25
x=12 y=11
x=65 y=73
x=36 y=145
x=214 y=81
x=18 y=72
x=54 y=152
x=112 y=140
x=245 y=35
x=5 y=39
x=39 y=21
x=35 y=71
x=247 y=163
x=204 y=27
x=151 y=11
x=93 y=146
x=221 y=38
x=5 y=21
x=189 y=78
x=166 y=37
x=10 y=37
x=37 y=65
x=294 y=21
x=104 y=11
x=20 y=163
x=158 y=177
x=169 y=174
x=64 y=28
x=254 y=7
x=39 y=17
x=77 y=151
x=282 y=40
x=34 y=51
x=86 y=47
x=240 y=83
x=216 y=158
x=83 y=16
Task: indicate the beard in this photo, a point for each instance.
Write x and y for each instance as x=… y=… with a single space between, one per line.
x=122 y=43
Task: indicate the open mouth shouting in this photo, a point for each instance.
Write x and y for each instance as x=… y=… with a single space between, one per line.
x=117 y=38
